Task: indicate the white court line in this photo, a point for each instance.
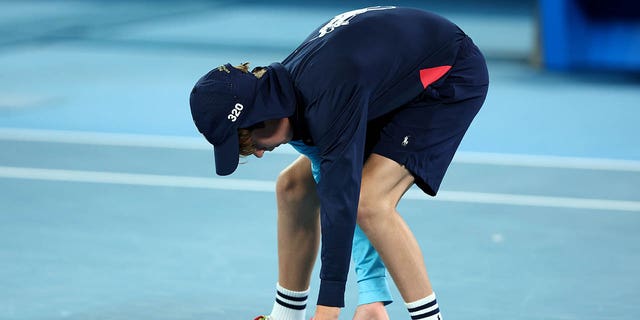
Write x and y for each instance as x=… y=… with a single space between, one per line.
x=197 y=143
x=135 y=179
x=525 y=160
x=269 y=186
x=107 y=139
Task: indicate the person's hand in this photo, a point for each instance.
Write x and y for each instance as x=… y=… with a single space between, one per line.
x=326 y=313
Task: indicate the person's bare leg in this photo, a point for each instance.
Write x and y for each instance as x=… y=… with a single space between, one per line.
x=298 y=225
x=383 y=183
x=299 y=233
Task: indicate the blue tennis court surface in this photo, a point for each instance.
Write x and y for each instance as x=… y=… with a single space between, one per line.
x=110 y=208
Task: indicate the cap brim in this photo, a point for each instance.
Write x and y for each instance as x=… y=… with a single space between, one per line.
x=227 y=155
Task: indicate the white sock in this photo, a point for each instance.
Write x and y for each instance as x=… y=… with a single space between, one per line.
x=289 y=305
x=424 y=309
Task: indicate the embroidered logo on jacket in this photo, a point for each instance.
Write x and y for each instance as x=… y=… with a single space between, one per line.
x=344 y=18
x=405 y=142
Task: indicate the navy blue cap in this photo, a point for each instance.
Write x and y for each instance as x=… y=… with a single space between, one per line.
x=221 y=102
x=226 y=99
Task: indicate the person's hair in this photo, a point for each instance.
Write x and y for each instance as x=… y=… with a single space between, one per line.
x=244 y=67
x=246 y=144
x=247 y=147
x=257 y=71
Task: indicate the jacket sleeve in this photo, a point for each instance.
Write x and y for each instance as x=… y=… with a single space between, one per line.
x=342 y=147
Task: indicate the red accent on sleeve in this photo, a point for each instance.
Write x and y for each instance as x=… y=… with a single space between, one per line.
x=430 y=75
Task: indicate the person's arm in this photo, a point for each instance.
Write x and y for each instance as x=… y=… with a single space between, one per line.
x=342 y=149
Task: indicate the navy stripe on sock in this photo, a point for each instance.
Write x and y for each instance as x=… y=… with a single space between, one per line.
x=428 y=305
x=291 y=306
x=426 y=315
x=298 y=299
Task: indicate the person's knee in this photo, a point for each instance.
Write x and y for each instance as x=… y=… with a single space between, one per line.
x=288 y=187
x=294 y=187
x=297 y=201
x=371 y=208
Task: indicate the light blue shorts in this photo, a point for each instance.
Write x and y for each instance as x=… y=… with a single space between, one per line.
x=370 y=271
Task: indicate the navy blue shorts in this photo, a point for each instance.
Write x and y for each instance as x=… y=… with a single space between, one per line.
x=424 y=134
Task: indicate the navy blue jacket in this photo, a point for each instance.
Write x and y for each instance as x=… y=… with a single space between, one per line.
x=358 y=66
